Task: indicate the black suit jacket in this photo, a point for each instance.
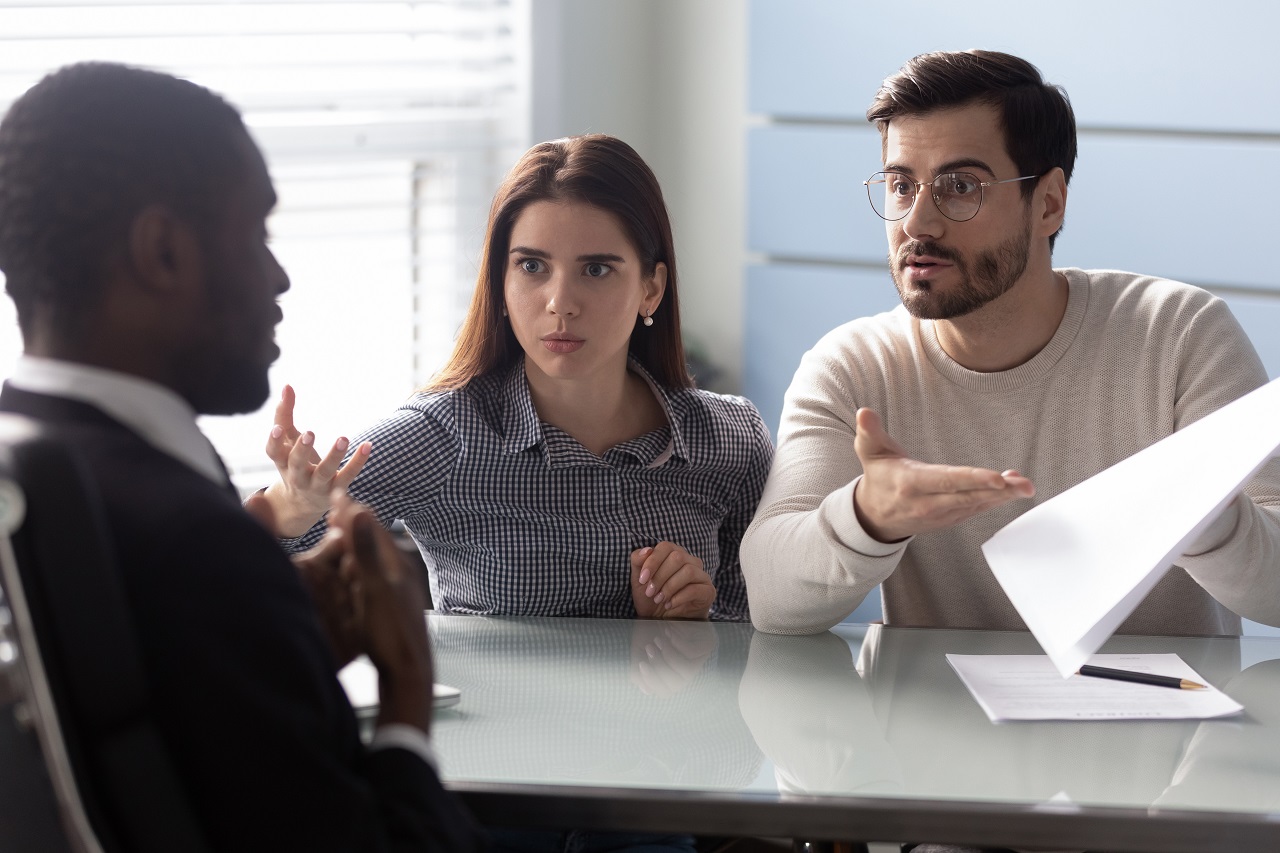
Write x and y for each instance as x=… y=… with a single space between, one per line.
x=240 y=674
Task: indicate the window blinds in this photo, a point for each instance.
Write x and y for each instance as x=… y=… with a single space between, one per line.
x=386 y=126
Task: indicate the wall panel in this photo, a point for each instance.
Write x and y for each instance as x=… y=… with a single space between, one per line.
x=1161 y=64
x=1183 y=207
x=791 y=306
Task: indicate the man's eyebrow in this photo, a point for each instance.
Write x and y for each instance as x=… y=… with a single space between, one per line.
x=967 y=163
x=949 y=166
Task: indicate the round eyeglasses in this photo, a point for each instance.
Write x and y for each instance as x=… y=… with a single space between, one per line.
x=958 y=195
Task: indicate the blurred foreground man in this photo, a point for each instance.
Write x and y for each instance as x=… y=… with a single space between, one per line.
x=133 y=234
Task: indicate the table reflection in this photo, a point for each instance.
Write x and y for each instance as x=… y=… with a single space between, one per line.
x=593 y=702
x=860 y=711
x=1232 y=764
x=812 y=716
x=900 y=722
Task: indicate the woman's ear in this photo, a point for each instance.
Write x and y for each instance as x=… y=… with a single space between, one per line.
x=654 y=287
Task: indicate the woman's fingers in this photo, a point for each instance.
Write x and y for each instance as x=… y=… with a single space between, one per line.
x=347 y=473
x=332 y=461
x=278 y=448
x=692 y=601
x=284 y=413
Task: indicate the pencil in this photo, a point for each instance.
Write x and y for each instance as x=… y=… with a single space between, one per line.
x=1141 y=677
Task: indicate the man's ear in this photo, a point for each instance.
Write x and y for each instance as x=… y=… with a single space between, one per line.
x=1051 y=196
x=163 y=250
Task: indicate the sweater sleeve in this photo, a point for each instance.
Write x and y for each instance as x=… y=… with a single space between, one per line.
x=807 y=561
x=1219 y=365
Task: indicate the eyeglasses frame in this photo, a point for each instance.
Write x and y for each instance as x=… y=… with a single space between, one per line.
x=920 y=185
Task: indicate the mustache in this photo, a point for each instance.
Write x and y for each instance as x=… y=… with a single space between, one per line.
x=936 y=250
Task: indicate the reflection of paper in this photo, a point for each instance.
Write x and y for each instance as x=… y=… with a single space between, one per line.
x=1027 y=687
x=1078 y=564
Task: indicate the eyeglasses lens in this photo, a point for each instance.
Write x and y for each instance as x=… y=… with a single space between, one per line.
x=958 y=195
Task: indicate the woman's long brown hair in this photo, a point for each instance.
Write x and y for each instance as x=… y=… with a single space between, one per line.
x=600 y=171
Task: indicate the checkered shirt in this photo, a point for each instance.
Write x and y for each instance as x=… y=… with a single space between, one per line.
x=516 y=517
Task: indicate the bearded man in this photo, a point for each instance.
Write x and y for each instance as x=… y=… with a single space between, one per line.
x=909 y=438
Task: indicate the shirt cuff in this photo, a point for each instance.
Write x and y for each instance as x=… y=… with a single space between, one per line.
x=401 y=736
x=845 y=524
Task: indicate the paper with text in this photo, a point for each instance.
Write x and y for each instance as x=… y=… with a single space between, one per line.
x=1076 y=565
x=1028 y=687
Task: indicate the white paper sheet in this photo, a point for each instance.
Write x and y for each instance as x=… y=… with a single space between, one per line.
x=1028 y=687
x=1076 y=565
x=360 y=681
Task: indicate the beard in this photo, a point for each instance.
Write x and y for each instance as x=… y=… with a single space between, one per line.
x=226 y=362
x=992 y=273
x=225 y=383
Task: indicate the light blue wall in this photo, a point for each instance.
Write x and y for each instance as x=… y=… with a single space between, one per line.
x=1178 y=109
x=1179 y=145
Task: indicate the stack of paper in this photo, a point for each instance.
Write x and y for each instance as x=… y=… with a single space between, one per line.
x=1078 y=564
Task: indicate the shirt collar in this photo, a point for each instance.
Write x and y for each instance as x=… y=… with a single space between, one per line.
x=157 y=414
x=521 y=428
x=673 y=406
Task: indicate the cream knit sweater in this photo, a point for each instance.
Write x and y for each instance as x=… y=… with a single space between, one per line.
x=1134 y=359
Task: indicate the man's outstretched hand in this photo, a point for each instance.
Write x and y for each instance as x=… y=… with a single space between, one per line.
x=899 y=497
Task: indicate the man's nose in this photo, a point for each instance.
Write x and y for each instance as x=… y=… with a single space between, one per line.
x=924 y=221
x=277 y=274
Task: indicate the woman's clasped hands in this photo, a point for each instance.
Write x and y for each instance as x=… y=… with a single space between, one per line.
x=667 y=582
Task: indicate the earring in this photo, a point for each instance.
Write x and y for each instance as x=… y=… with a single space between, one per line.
x=648 y=317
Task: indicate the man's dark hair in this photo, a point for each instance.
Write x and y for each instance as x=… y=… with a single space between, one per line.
x=81 y=154
x=1039 y=124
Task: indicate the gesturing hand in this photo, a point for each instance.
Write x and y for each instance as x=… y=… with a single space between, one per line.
x=301 y=497
x=900 y=497
x=667 y=582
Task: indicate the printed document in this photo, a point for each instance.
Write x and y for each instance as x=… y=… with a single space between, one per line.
x=1028 y=687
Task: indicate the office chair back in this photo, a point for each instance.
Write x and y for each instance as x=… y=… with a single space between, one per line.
x=81 y=678
x=30 y=816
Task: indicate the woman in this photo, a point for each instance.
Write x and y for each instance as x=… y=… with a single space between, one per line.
x=561 y=463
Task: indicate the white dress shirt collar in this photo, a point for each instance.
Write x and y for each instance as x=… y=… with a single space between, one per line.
x=156 y=413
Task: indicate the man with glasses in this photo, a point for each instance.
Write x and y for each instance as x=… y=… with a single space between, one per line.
x=908 y=439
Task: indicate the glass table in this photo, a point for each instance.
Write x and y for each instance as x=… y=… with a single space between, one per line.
x=862 y=733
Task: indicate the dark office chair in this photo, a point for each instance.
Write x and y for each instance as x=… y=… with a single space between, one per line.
x=76 y=673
